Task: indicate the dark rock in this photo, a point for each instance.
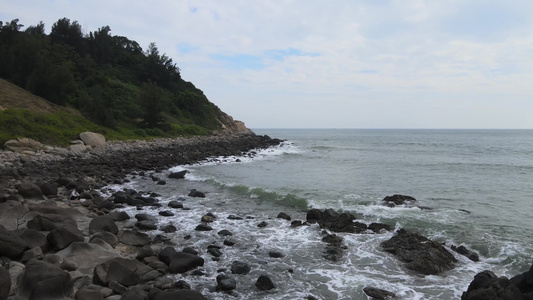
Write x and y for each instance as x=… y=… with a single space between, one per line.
x=399 y=200
x=35 y=252
x=175 y=204
x=226 y=283
x=296 y=223
x=35 y=238
x=262 y=224
x=166 y=213
x=275 y=254
x=168 y=228
x=11 y=244
x=145 y=217
x=225 y=232
x=62 y=237
x=378 y=227
x=146 y=225
x=88 y=294
x=234 y=217
x=48 y=222
x=107 y=237
x=314 y=215
x=119 y=216
x=229 y=242
x=48 y=188
x=29 y=191
x=196 y=194
x=464 y=251
x=179 y=262
x=332 y=239
x=284 y=216
x=182 y=285
x=208 y=219
x=121 y=273
x=215 y=252
x=238 y=267
x=145 y=251
x=134 y=238
x=419 y=253
x=264 y=283
x=378 y=294
x=161 y=182
x=5 y=283
x=178 y=175
x=203 y=227
x=42 y=280
x=103 y=223
x=180 y=294
x=487 y=286
x=190 y=250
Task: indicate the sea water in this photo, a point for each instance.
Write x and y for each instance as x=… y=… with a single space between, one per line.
x=476 y=188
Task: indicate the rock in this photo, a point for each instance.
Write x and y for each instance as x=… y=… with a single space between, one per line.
x=275 y=254
x=106 y=237
x=134 y=238
x=419 y=253
x=23 y=144
x=379 y=227
x=122 y=273
x=264 y=283
x=179 y=262
x=487 y=286
x=11 y=244
x=145 y=251
x=207 y=219
x=378 y=294
x=5 y=283
x=42 y=280
x=203 y=227
x=296 y=223
x=224 y=232
x=92 y=139
x=196 y=194
x=103 y=223
x=178 y=175
x=238 y=267
x=145 y=217
x=48 y=222
x=166 y=213
x=48 y=188
x=284 y=216
x=464 y=251
x=262 y=224
x=119 y=216
x=168 y=228
x=62 y=237
x=314 y=215
x=399 y=200
x=234 y=217
x=34 y=239
x=332 y=239
x=146 y=225
x=88 y=294
x=180 y=294
x=30 y=191
x=11 y=213
x=175 y=204
x=35 y=252
x=226 y=283
x=215 y=252
x=229 y=243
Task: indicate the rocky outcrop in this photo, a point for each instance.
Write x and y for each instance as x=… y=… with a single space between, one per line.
x=23 y=145
x=487 y=286
x=399 y=200
x=231 y=126
x=419 y=253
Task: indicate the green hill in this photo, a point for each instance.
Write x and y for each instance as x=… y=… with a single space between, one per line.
x=99 y=81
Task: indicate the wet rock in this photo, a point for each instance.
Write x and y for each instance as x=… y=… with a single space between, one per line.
x=168 y=228
x=179 y=262
x=103 y=223
x=196 y=194
x=465 y=252
x=182 y=285
x=226 y=283
x=134 y=238
x=399 y=200
x=239 y=267
x=178 y=175
x=225 y=232
x=229 y=242
x=275 y=254
x=314 y=215
x=296 y=223
x=166 y=213
x=284 y=216
x=175 y=204
x=215 y=252
x=379 y=227
x=42 y=280
x=419 y=253
x=208 y=219
x=146 y=225
x=264 y=283
x=378 y=294
x=234 y=217
x=203 y=227
x=262 y=224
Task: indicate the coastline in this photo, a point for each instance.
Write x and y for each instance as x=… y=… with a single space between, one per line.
x=93 y=171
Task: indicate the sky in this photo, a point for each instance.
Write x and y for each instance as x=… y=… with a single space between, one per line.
x=332 y=64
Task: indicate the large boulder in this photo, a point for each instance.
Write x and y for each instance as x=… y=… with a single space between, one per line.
x=103 y=223
x=11 y=213
x=5 y=283
x=134 y=238
x=42 y=280
x=180 y=262
x=399 y=200
x=92 y=139
x=78 y=252
x=127 y=272
x=48 y=222
x=11 y=244
x=62 y=237
x=419 y=253
x=30 y=190
x=23 y=144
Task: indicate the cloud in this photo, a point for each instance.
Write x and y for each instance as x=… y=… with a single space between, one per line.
x=392 y=63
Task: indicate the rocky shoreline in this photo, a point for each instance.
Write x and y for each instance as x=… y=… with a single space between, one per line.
x=46 y=239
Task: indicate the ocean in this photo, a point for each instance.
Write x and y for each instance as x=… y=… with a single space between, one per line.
x=476 y=186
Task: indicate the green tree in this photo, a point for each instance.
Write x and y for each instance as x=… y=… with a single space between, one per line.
x=151 y=102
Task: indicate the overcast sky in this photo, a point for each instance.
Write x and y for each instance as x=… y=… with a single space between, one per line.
x=333 y=64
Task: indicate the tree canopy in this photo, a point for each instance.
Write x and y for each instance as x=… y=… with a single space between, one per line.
x=110 y=79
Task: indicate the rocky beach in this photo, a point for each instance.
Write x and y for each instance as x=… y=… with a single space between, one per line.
x=99 y=246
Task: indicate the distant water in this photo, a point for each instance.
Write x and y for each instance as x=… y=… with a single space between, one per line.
x=478 y=184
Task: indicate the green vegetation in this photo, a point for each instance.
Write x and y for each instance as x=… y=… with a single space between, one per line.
x=119 y=89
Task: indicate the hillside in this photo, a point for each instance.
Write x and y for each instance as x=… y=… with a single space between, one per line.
x=108 y=81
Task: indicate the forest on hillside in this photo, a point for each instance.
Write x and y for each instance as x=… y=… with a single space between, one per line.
x=110 y=79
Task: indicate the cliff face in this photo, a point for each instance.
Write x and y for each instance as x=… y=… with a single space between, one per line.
x=231 y=126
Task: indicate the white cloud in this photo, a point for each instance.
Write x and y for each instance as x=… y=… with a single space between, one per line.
x=333 y=64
